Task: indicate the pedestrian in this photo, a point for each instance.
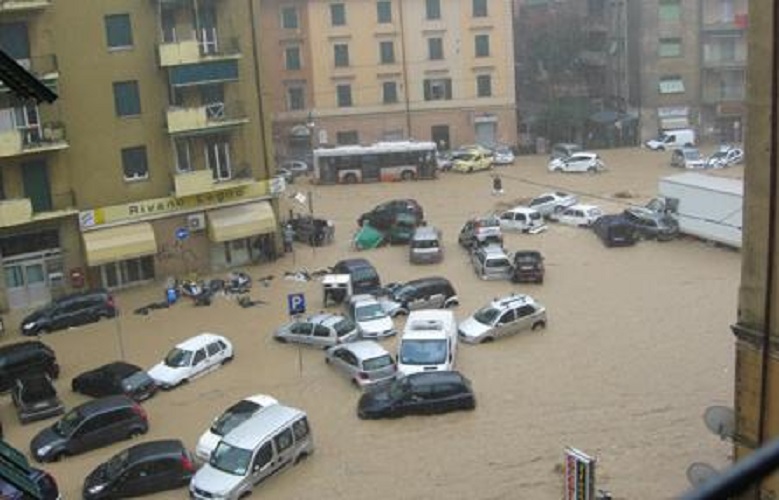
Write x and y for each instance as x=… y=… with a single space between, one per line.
x=497 y=185
x=289 y=237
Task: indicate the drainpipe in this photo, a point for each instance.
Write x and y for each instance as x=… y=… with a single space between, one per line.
x=405 y=68
x=258 y=90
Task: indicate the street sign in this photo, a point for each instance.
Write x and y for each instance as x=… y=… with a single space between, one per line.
x=182 y=233
x=296 y=303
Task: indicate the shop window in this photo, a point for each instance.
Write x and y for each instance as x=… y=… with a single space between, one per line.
x=127 y=272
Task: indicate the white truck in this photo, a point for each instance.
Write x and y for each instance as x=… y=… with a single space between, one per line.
x=670 y=139
x=705 y=206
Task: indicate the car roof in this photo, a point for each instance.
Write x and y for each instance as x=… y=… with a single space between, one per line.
x=583 y=206
x=27 y=345
x=362 y=298
x=353 y=263
x=428 y=323
x=120 y=368
x=511 y=300
x=98 y=405
x=327 y=319
x=365 y=349
x=427 y=281
x=197 y=341
x=522 y=209
x=436 y=377
x=261 y=399
x=261 y=426
x=151 y=449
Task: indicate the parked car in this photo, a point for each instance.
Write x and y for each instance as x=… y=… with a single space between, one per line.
x=503 y=155
x=313 y=231
x=480 y=231
x=231 y=418
x=35 y=398
x=580 y=215
x=563 y=150
x=19 y=477
x=688 y=157
x=370 y=317
x=552 y=203
x=365 y=363
x=142 y=469
x=583 y=161
x=419 y=393
x=26 y=358
x=94 y=424
x=191 y=359
x=424 y=293
x=523 y=219
x=649 y=224
x=428 y=343
x=425 y=246
x=672 y=139
x=384 y=215
x=528 y=265
x=115 y=378
x=363 y=276
x=72 y=310
x=502 y=317
x=491 y=262
x=320 y=330
x=473 y=160
x=615 y=230
x=725 y=157
x=444 y=160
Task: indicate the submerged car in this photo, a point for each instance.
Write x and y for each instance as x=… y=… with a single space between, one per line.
x=725 y=157
x=191 y=359
x=563 y=150
x=115 y=378
x=371 y=318
x=365 y=363
x=615 y=230
x=479 y=231
x=424 y=293
x=580 y=215
x=528 y=266
x=503 y=155
x=552 y=203
x=523 y=219
x=649 y=224
x=71 y=310
x=420 y=393
x=320 y=330
x=35 y=398
x=583 y=161
x=688 y=157
x=502 y=317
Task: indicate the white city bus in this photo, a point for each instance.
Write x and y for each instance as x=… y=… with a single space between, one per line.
x=383 y=161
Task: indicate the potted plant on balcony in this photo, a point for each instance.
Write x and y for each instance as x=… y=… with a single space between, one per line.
x=54 y=131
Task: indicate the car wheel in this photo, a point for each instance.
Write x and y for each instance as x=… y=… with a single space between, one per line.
x=56 y=457
x=592 y=170
x=281 y=340
x=487 y=340
x=133 y=434
x=350 y=179
x=538 y=324
x=470 y=170
x=228 y=359
x=408 y=175
x=301 y=458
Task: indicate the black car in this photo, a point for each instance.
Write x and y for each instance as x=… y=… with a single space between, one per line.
x=528 y=267
x=364 y=277
x=72 y=310
x=35 y=398
x=614 y=230
x=420 y=393
x=433 y=292
x=24 y=358
x=88 y=426
x=20 y=481
x=313 y=231
x=651 y=225
x=140 y=470
x=113 y=379
x=385 y=215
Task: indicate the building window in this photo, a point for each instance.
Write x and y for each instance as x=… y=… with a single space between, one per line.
x=118 y=32
x=344 y=94
x=134 y=163
x=484 y=86
x=347 y=137
x=127 y=99
x=479 y=8
x=289 y=18
x=438 y=89
x=296 y=98
x=384 y=11
x=390 y=92
x=341 y=53
x=387 y=52
x=671 y=84
x=482 y=45
x=292 y=58
x=670 y=10
x=435 y=48
x=433 y=9
x=670 y=47
x=337 y=14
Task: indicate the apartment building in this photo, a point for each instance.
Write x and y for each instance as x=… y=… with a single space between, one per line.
x=153 y=162
x=369 y=70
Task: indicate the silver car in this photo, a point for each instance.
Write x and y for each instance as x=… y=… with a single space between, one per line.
x=551 y=204
x=371 y=318
x=504 y=316
x=491 y=263
x=365 y=363
x=320 y=330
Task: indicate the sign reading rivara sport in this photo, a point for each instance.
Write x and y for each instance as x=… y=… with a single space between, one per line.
x=579 y=475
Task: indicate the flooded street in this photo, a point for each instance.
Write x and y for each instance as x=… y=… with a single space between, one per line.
x=638 y=345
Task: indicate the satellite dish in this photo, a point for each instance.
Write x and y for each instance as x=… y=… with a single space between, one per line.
x=699 y=472
x=720 y=420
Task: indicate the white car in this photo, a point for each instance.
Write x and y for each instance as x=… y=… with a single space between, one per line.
x=192 y=358
x=550 y=204
x=502 y=155
x=369 y=316
x=523 y=219
x=580 y=215
x=229 y=420
x=725 y=157
x=583 y=161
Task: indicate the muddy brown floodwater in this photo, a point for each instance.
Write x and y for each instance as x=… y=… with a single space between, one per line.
x=637 y=347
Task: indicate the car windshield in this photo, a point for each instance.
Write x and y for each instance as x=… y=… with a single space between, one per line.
x=423 y=352
x=377 y=363
x=369 y=312
x=230 y=459
x=343 y=327
x=135 y=380
x=692 y=154
x=404 y=292
x=234 y=416
x=116 y=464
x=68 y=423
x=177 y=358
x=486 y=315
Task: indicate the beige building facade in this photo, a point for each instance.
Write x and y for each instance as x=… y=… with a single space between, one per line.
x=153 y=161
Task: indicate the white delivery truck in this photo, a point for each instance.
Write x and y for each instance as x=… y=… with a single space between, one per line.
x=670 y=139
x=705 y=206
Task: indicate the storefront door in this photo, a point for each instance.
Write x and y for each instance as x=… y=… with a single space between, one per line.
x=26 y=282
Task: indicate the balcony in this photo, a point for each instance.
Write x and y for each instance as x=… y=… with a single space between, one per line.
x=198 y=182
x=717 y=96
x=204 y=46
x=8 y=6
x=15 y=212
x=725 y=63
x=33 y=139
x=205 y=119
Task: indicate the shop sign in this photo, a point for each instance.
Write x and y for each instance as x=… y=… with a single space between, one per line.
x=161 y=207
x=672 y=111
x=579 y=475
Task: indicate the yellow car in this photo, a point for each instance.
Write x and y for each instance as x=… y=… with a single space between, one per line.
x=472 y=160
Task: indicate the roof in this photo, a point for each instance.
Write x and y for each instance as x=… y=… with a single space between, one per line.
x=155 y=448
x=429 y=323
x=96 y=405
x=429 y=279
x=261 y=426
x=710 y=182
x=21 y=82
x=198 y=340
x=522 y=209
x=584 y=206
x=504 y=301
x=435 y=377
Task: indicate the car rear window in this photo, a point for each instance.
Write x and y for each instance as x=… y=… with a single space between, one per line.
x=424 y=244
x=377 y=363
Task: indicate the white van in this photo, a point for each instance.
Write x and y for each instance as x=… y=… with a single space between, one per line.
x=429 y=342
x=669 y=139
x=269 y=442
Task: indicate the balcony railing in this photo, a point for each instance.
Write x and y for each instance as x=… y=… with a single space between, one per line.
x=721 y=62
x=206 y=118
x=202 y=181
x=205 y=44
x=16 y=211
x=29 y=139
x=23 y=5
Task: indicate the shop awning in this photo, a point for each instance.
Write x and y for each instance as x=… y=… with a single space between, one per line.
x=241 y=221
x=119 y=243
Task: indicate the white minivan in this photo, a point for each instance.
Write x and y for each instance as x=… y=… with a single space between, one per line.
x=429 y=342
x=269 y=442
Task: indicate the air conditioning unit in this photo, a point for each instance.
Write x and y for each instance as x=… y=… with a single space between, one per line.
x=196 y=222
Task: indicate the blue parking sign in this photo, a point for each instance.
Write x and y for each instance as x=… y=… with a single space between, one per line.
x=296 y=303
